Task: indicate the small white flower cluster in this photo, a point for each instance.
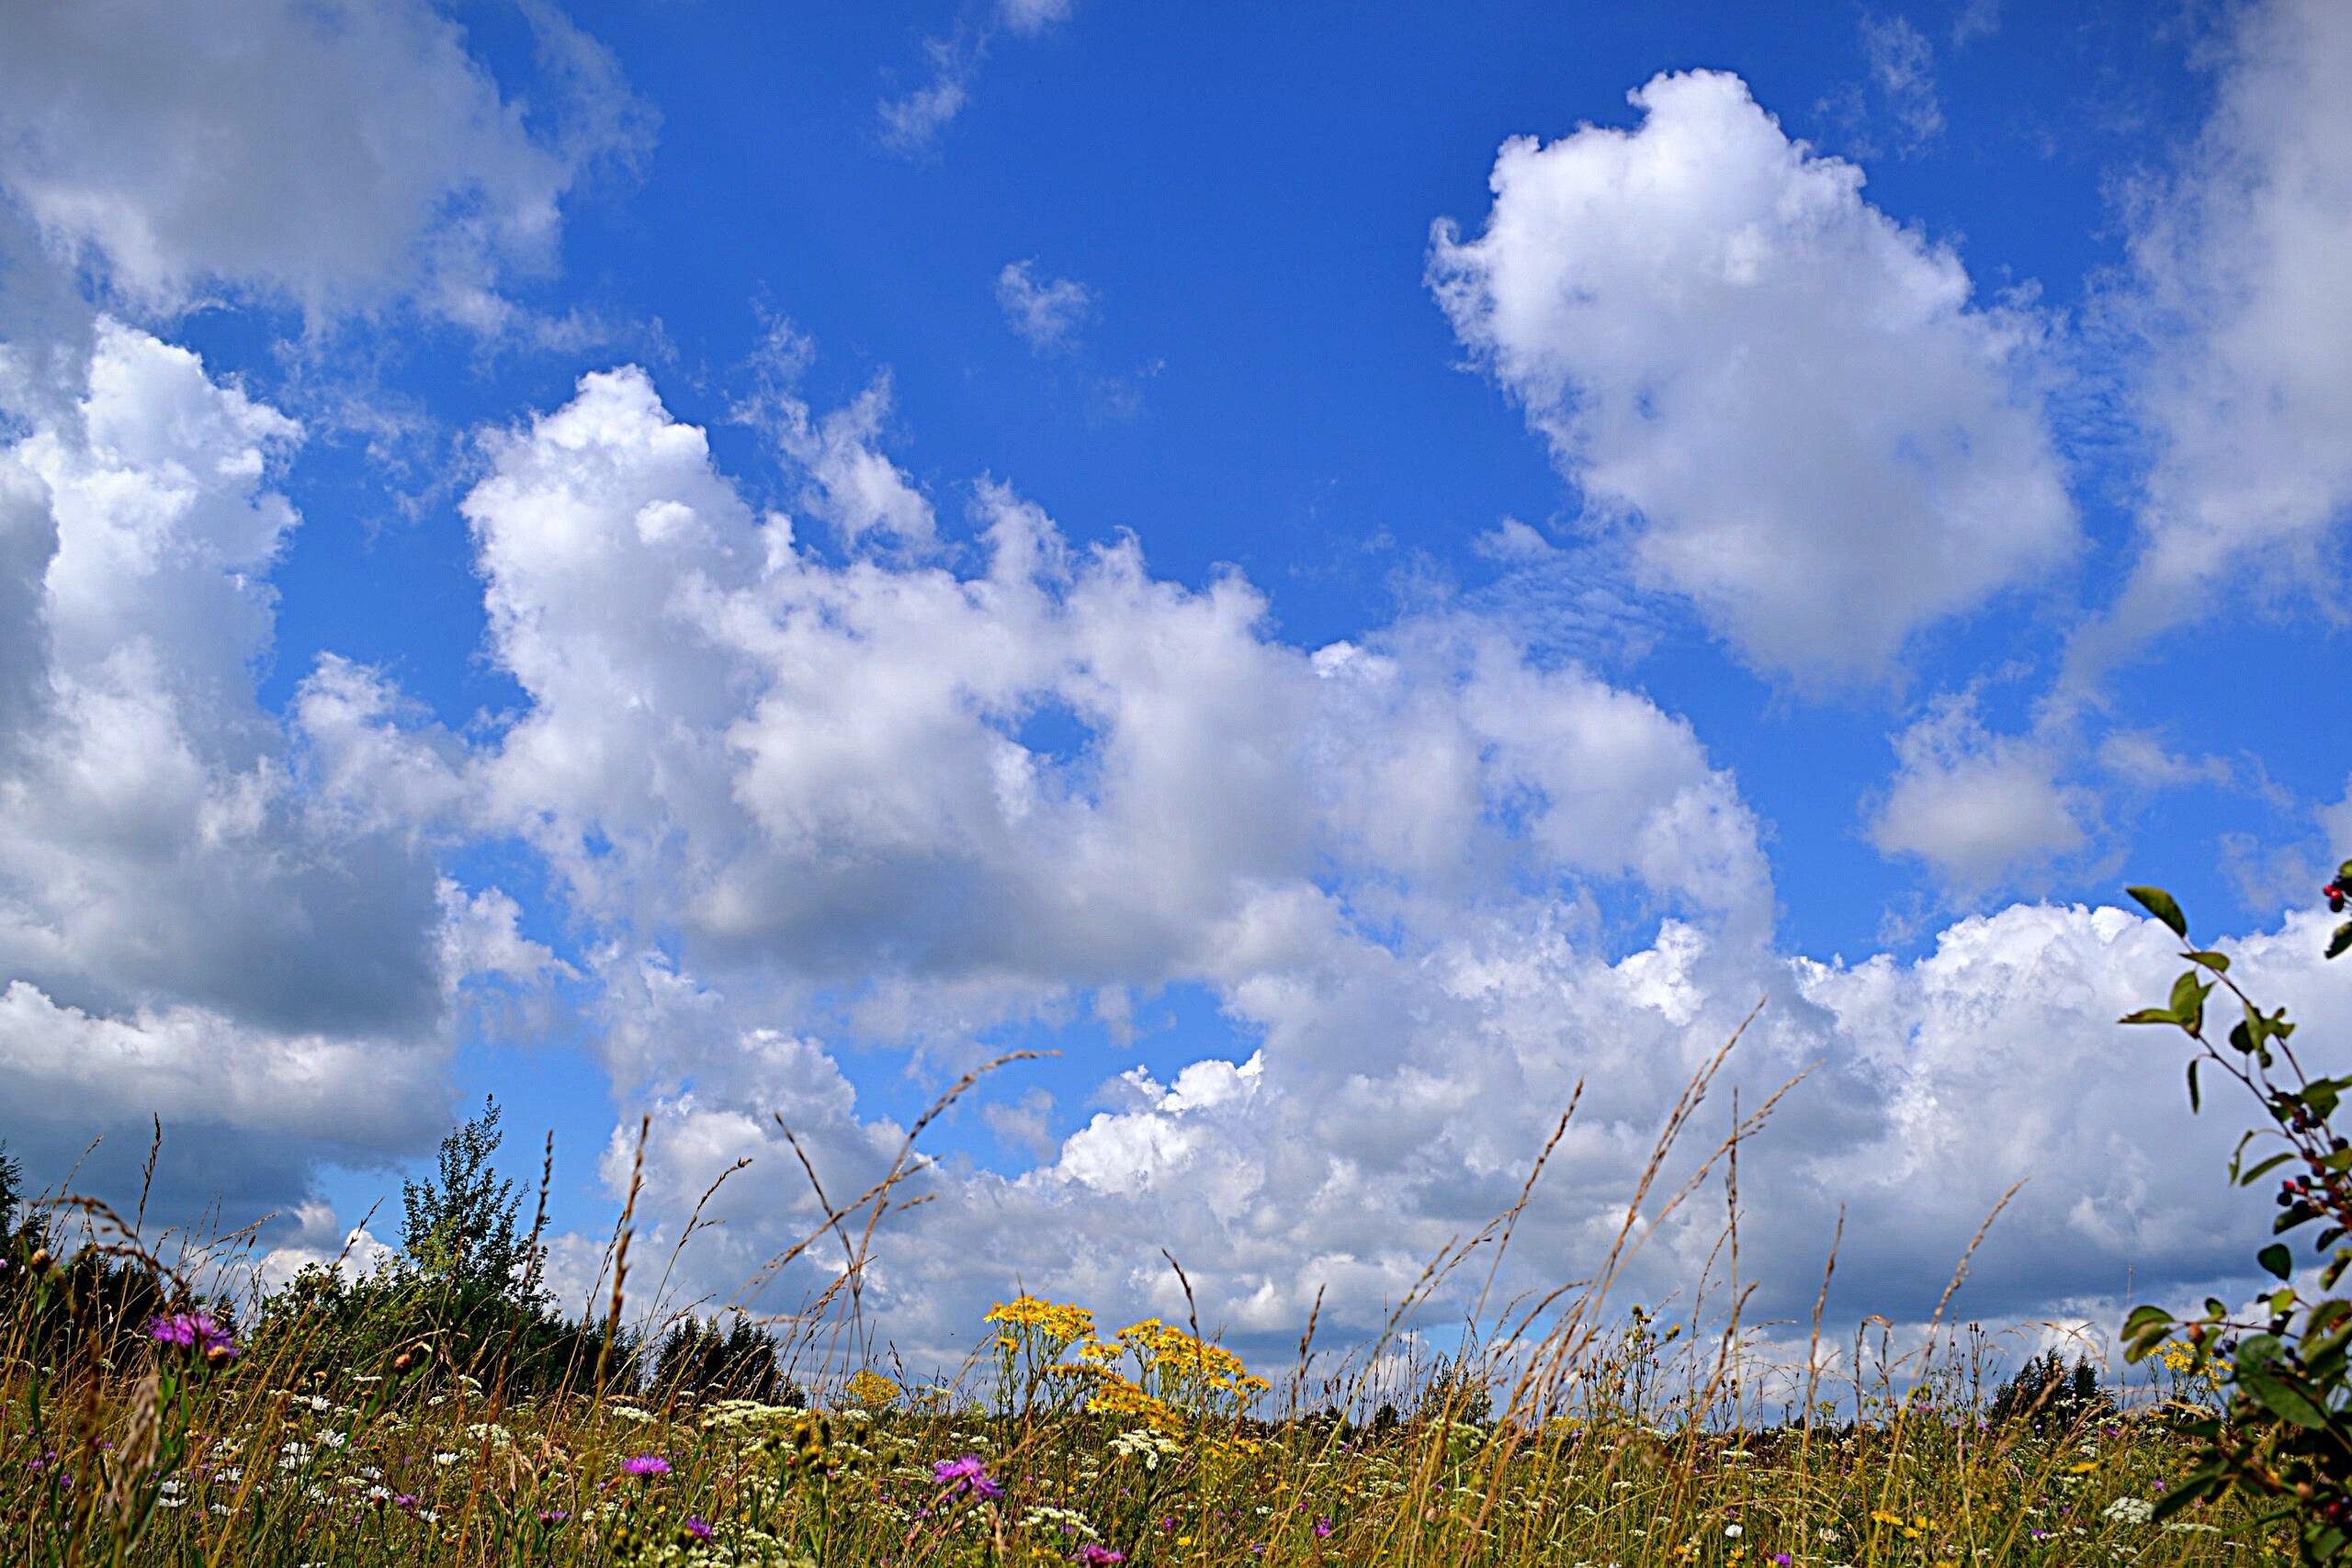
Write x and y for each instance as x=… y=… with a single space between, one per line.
x=748 y=1416
x=1069 y=1521
x=2131 y=1510
x=1147 y=1447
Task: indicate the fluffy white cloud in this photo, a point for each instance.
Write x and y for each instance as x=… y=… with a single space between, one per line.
x=1045 y=311
x=790 y=792
x=2247 y=390
x=333 y=154
x=823 y=767
x=1395 y=1104
x=201 y=915
x=1978 y=807
x=804 y=803
x=1808 y=427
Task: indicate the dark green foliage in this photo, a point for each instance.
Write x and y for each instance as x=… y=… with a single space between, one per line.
x=462 y=1297
x=701 y=1360
x=2285 y=1437
x=1456 y=1392
x=2048 y=1398
x=12 y=1192
x=397 y=1321
x=460 y=1225
x=92 y=1308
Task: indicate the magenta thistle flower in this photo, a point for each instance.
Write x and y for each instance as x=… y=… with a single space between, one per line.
x=1322 y=1526
x=968 y=1475
x=696 y=1528
x=1093 y=1556
x=645 y=1464
x=198 y=1333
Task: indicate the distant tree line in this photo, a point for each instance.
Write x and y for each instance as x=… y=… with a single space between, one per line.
x=463 y=1295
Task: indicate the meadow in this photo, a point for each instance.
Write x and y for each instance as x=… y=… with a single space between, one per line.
x=1144 y=1447
x=439 y=1411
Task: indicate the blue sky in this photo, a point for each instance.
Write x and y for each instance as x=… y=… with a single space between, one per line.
x=1827 y=522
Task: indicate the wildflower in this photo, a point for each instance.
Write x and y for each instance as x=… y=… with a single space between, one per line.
x=404 y=1500
x=645 y=1464
x=554 y=1515
x=444 y=1459
x=1731 y=1533
x=1093 y=1556
x=968 y=1475
x=696 y=1529
x=198 y=1333
x=2131 y=1511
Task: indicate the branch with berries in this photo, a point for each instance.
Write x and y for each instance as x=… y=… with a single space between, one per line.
x=2285 y=1437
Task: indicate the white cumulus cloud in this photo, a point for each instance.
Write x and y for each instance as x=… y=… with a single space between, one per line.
x=1978 y=807
x=332 y=154
x=1806 y=424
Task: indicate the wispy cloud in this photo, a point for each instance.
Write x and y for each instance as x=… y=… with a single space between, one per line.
x=912 y=121
x=1045 y=311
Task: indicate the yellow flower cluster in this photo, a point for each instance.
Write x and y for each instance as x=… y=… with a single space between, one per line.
x=1178 y=1362
x=1175 y=1374
x=1033 y=1337
x=1912 y=1529
x=1053 y=1320
x=869 y=1390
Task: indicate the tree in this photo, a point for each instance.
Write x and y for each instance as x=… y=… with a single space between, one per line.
x=460 y=1225
x=697 y=1359
x=12 y=1192
x=2046 y=1396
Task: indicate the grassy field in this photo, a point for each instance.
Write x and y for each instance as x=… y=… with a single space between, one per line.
x=1055 y=1445
x=416 y=1417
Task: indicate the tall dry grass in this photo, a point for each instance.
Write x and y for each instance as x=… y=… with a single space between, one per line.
x=1567 y=1427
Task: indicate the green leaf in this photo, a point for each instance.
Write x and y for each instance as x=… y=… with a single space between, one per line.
x=2144 y=1330
x=2340 y=940
x=2218 y=963
x=2323 y=1351
x=2284 y=1398
x=2195 y=1101
x=2149 y=1015
x=2159 y=903
x=2194 y=1487
x=2251 y=1177
x=2276 y=1259
x=2188 y=1001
